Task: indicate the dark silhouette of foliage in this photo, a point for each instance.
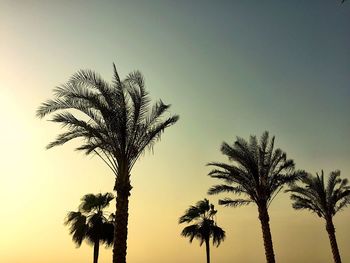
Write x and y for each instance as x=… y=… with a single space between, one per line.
x=204 y=227
x=116 y=122
x=258 y=172
x=89 y=222
x=323 y=199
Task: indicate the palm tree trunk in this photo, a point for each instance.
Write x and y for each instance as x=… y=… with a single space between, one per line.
x=207 y=249
x=96 y=250
x=331 y=234
x=265 y=227
x=121 y=222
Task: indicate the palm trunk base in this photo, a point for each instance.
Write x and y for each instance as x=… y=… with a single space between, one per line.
x=121 y=228
x=96 y=251
x=207 y=250
x=332 y=239
x=265 y=227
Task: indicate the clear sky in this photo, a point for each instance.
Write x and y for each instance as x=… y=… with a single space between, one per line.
x=229 y=68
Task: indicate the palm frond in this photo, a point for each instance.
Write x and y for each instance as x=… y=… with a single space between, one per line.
x=148 y=138
x=78 y=226
x=196 y=211
x=222 y=188
x=234 y=202
x=204 y=228
x=89 y=223
x=191 y=232
x=91 y=80
x=218 y=235
x=325 y=199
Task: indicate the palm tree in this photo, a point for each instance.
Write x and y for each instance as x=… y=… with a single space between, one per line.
x=116 y=123
x=258 y=172
x=90 y=223
x=204 y=227
x=323 y=199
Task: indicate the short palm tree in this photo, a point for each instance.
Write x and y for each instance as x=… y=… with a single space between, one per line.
x=116 y=122
x=90 y=223
x=204 y=227
x=258 y=172
x=323 y=199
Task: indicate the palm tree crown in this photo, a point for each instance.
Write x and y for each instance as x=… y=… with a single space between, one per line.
x=323 y=199
x=90 y=223
x=116 y=122
x=204 y=227
x=318 y=197
x=258 y=172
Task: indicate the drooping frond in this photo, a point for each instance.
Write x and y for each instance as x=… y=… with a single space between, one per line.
x=222 y=188
x=191 y=232
x=235 y=175
x=78 y=227
x=89 y=223
x=218 y=235
x=234 y=202
x=146 y=137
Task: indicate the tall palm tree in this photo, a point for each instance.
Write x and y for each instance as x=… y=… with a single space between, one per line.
x=323 y=199
x=90 y=223
x=204 y=227
x=258 y=172
x=116 y=122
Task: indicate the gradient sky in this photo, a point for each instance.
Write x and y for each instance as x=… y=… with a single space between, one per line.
x=229 y=68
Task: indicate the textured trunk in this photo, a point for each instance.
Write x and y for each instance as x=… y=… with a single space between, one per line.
x=96 y=251
x=265 y=227
x=207 y=249
x=332 y=239
x=121 y=220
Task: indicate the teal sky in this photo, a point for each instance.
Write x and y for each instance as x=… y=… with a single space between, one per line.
x=229 y=68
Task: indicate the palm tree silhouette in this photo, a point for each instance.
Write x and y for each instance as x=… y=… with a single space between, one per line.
x=204 y=227
x=90 y=223
x=323 y=199
x=116 y=122
x=259 y=172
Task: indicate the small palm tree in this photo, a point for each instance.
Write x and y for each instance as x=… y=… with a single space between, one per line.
x=117 y=123
x=89 y=222
x=204 y=227
x=323 y=199
x=258 y=172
